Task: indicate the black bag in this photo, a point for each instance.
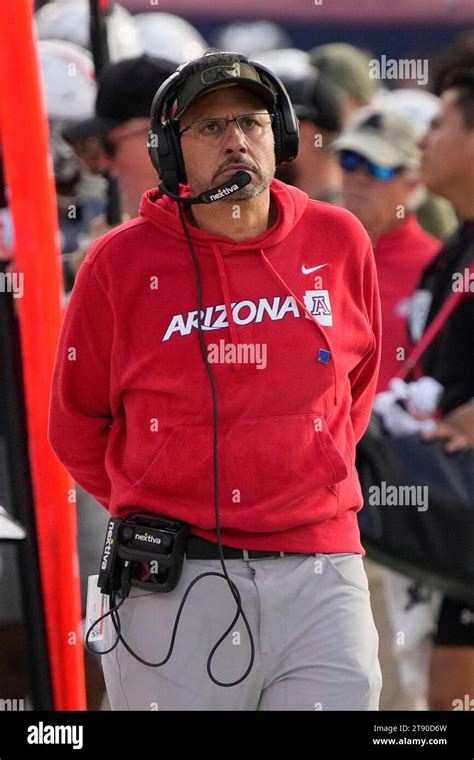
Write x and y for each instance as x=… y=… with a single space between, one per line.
x=418 y=514
x=434 y=545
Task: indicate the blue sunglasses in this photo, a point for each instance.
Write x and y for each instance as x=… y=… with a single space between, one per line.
x=350 y=161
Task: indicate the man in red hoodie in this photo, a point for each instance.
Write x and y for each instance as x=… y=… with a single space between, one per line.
x=289 y=330
x=381 y=185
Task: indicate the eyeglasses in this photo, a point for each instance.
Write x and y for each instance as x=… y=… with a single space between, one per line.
x=252 y=125
x=350 y=161
x=110 y=146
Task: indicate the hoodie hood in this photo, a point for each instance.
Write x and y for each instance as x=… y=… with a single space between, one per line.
x=290 y=203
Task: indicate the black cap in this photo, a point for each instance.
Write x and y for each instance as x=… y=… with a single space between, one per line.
x=125 y=91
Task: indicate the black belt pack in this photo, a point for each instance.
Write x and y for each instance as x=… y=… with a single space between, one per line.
x=152 y=545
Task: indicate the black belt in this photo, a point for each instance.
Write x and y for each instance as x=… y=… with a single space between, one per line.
x=201 y=548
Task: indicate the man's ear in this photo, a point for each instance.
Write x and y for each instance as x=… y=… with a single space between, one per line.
x=308 y=130
x=469 y=147
x=413 y=180
x=416 y=182
x=416 y=190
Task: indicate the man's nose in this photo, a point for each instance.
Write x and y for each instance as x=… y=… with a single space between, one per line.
x=106 y=163
x=234 y=139
x=359 y=175
x=422 y=142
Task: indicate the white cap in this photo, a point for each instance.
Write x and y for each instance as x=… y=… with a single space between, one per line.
x=69 y=20
x=420 y=105
x=67 y=73
x=168 y=36
x=252 y=37
x=386 y=136
x=286 y=62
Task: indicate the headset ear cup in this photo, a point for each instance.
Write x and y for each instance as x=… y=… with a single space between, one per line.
x=285 y=124
x=175 y=141
x=153 y=147
x=276 y=126
x=164 y=141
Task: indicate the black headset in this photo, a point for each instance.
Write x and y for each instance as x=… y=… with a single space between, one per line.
x=164 y=144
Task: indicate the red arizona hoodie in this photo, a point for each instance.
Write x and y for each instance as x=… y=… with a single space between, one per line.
x=131 y=414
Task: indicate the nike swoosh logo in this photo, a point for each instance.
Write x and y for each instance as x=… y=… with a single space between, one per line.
x=311 y=269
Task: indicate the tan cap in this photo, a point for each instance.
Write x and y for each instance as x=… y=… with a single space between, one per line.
x=348 y=67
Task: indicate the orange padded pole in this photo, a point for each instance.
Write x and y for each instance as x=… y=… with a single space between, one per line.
x=32 y=203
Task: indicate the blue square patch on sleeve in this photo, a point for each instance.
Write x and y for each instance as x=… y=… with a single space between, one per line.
x=324 y=356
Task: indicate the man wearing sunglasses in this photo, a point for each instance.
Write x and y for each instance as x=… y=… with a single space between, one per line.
x=380 y=160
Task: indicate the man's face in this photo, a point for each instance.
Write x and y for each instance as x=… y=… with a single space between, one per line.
x=211 y=163
x=373 y=201
x=126 y=158
x=448 y=148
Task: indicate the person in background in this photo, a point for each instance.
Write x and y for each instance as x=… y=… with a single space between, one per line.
x=380 y=161
x=435 y=214
x=316 y=169
x=439 y=630
x=381 y=186
x=67 y=74
x=170 y=36
x=121 y=122
x=252 y=37
x=448 y=170
x=458 y=55
x=69 y=20
x=346 y=67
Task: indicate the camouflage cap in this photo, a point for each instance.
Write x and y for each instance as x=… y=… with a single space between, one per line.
x=215 y=70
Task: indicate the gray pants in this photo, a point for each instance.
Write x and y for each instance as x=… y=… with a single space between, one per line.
x=315 y=640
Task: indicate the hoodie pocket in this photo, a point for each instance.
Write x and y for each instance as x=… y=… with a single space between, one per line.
x=278 y=471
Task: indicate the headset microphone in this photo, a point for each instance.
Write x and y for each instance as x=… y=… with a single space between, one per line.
x=236 y=182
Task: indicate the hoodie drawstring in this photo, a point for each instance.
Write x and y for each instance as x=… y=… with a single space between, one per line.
x=315 y=321
x=228 y=305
